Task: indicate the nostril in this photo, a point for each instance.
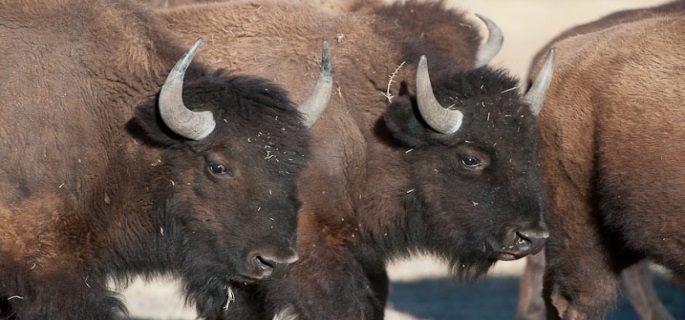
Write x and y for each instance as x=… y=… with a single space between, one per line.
x=521 y=239
x=265 y=265
x=532 y=240
x=272 y=267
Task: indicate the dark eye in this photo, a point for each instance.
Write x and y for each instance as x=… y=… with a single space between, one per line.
x=219 y=169
x=470 y=161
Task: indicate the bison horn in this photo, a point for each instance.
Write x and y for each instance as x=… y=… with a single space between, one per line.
x=189 y=124
x=492 y=46
x=317 y=100
x=441 y=119
x=535 y=96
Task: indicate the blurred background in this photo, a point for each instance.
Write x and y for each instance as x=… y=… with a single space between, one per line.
x=421 y=289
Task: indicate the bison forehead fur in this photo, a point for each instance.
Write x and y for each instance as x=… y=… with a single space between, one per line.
x=492 y=108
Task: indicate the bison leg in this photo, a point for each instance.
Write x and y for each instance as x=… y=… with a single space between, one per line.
x=579 y=287
x=636 y=282
x=581 y=277
x=531 y=306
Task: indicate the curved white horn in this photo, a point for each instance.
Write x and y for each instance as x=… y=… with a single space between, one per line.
x=189 y=124
x=535 y=96
x=316 y=102
x=441 y=119
x=488 y=50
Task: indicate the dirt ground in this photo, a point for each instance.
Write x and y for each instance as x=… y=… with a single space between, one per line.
x=421 y=289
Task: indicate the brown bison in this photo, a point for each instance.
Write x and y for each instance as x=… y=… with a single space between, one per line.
x=615 y=100
x=112 y=169
x=448 y=168
x=635 y=280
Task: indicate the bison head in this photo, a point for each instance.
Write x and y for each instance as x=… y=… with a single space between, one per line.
x=230 y=151
x=472 y=148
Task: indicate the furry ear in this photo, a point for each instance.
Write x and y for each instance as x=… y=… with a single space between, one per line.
x=402 y=119
x=148 y=126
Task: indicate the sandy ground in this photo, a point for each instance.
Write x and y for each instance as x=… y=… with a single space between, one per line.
x=421 y=289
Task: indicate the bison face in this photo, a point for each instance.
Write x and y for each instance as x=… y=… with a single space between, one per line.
x=226 y=205
x=476 y=192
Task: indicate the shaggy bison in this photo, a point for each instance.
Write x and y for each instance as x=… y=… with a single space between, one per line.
x=113 y=167
x=615 y=100
x=448 y=167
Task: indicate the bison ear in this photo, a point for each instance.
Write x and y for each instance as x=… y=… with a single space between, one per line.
x=147 y=125
x=402 y=120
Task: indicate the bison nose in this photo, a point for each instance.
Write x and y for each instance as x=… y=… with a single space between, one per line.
x=524 y=242
x=273 y=267
x=530 y=241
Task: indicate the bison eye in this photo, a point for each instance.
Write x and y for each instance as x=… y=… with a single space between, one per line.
x=471 y=162
x=219 y=169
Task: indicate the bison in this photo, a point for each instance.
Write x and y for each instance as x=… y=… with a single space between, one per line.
x=615 y=99
x=402 y=162
x=113 y=166
x=635 y=280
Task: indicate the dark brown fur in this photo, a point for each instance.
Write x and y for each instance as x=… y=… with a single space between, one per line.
x=95 y=186
x=381 y=185
x=615 y=101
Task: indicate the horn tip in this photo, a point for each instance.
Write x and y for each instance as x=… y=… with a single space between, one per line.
x=549 y=60
x=423 y=59
x=207 y=131
x=482 y=17
x=197 y=42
